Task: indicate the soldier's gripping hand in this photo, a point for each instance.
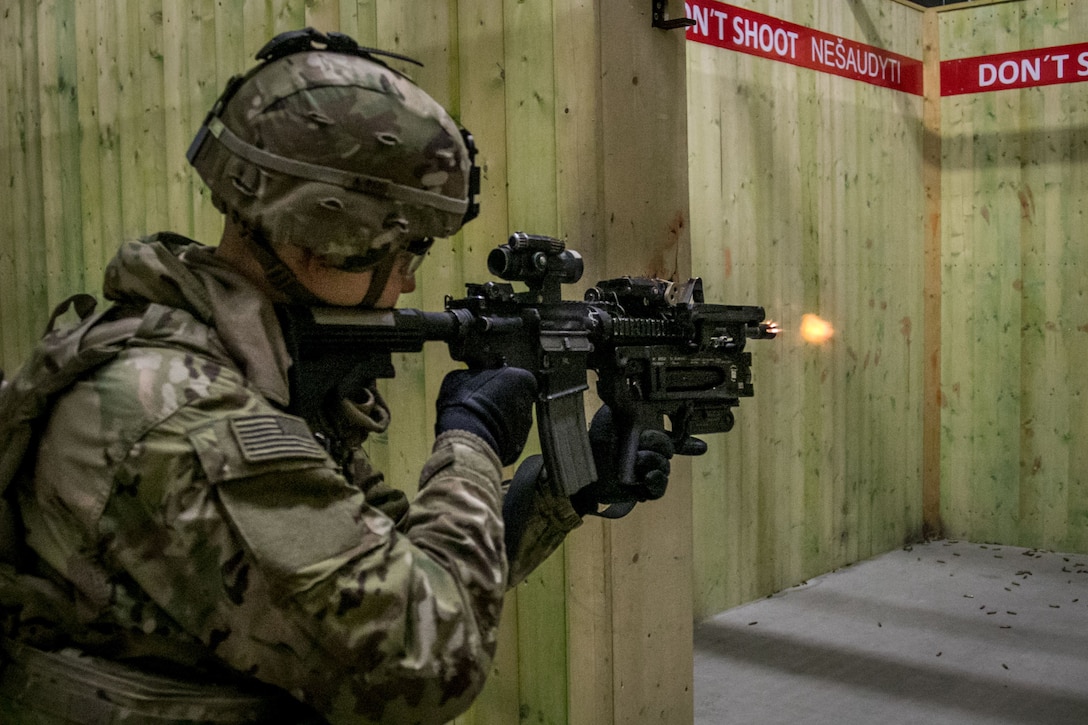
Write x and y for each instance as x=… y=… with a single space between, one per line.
x=495 y=404
x=652 y=467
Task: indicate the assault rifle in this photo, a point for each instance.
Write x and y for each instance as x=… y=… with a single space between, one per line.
x=658 y=350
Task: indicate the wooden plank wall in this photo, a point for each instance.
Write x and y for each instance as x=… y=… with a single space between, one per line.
x=807 y=198
x=101 y=99
x=1014 y=189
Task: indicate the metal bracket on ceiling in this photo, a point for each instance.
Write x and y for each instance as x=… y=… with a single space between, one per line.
x=660 y=21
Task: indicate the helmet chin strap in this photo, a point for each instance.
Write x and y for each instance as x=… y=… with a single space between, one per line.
x=278 y=274
x=282 y=278
x=379 y=279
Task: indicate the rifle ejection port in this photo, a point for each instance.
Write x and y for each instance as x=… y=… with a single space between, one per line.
x=722 y=341
x=565 y=341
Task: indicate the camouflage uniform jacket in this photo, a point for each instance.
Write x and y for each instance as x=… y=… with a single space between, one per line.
x=187 y=518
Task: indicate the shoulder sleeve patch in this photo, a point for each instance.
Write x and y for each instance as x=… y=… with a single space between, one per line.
x=264 y=438
x=256 y=444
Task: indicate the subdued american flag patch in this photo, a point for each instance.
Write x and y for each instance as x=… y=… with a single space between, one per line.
x=271 y=437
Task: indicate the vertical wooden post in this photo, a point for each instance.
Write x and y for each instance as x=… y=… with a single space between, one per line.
x=581 y=221
x=11 y=327
x=931 y=406
x=644 y=177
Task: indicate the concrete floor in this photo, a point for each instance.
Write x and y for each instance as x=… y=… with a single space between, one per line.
x=944 y=632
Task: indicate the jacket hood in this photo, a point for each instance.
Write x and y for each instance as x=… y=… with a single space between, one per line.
x=170 y=270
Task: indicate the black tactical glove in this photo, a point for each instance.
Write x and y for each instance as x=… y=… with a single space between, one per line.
x=496 y=405
x=652 y=467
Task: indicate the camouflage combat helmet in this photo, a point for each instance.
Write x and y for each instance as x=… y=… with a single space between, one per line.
x=326 y=147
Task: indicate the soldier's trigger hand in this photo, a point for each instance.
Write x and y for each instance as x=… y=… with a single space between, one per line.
x=495 y=404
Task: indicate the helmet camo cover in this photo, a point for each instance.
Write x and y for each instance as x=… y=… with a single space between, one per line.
x=333 y=151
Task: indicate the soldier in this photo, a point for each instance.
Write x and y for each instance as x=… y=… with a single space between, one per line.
x=186 y=549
